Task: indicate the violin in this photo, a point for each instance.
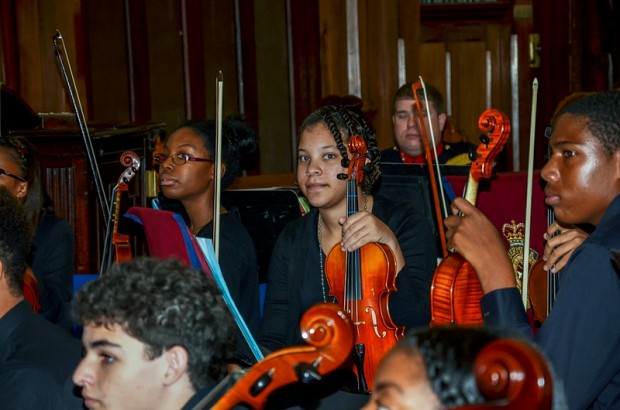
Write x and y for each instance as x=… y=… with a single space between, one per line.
x=456 y=290
x=543 y=285
x=328 y=331
x=120 y=242
x=361 y=282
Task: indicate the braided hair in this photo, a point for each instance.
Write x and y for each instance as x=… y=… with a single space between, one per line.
x=24 y=155
x=343 y=123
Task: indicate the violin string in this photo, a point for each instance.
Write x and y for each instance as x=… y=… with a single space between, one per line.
x=320 y=238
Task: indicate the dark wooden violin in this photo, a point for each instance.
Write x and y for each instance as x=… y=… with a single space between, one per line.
x=456 y=291
x=120 y=242
x=328 y=331
x=361 y=281
x=543 y=285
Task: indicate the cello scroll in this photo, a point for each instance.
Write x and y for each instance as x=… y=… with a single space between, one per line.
x=512 y=375
x=329 y=332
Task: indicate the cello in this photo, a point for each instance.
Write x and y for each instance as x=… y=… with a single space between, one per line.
x=361 y=282
x=455 y=290
x=512 y=375
x=329 y=332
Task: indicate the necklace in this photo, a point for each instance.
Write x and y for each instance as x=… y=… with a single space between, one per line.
x=320 y=236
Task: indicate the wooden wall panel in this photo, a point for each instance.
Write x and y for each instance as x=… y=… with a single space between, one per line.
x=164 y=66
x=220 y=54
x=39 y=82
x=409 y=31
x=379 y=64
x=272 y=73
x=468 y=86
x=306 y=58
x=432 y=65
x=108 y=44
x=333 y=31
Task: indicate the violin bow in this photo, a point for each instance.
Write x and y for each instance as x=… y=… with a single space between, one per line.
x=67 y=74
x=429 y=161
x=528 y=200
x=212 y=259
x=219 y=86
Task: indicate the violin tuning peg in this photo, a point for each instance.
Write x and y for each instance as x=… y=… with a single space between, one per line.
x=484 y=139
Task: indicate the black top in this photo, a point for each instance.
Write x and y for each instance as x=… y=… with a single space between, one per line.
x=294 y=281
x=237 y=259
x=53 y=262
x=581 y=335
x=37 y=360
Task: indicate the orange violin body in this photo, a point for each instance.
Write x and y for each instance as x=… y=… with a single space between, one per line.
x=374 y=328
x=455 y=293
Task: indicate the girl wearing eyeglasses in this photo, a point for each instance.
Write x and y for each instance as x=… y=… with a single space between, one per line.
x=52 y=260
x=186 y=174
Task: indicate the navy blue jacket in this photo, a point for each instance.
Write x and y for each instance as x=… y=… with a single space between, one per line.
x=37 y=360
x=581 y=335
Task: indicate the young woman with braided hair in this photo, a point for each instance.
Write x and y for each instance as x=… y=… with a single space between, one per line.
x=296 y=279
x=52 y=257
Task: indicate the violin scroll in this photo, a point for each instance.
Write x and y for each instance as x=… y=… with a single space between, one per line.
x=131 y=161
x=122 y=248
x=359 y=151
x=497 y=126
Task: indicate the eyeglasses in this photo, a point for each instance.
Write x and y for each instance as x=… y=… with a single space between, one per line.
x=8 y=174
x=178 y=159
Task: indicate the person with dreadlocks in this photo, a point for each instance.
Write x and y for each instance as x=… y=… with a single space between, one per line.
x=52 y=258
x=296 y=278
